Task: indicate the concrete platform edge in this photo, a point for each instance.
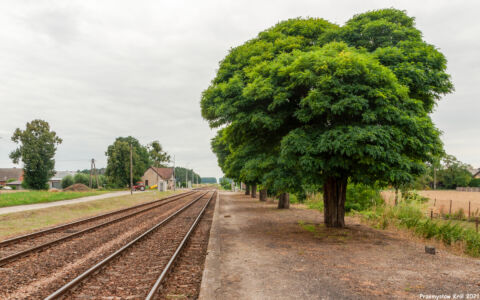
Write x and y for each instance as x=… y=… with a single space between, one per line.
x=211 y=272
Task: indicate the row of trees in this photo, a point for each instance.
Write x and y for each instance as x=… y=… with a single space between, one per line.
x=38 y=144
x=183 y=175
x=447 y=173
x=209 y=180
x=311 y=106
x=118 y=162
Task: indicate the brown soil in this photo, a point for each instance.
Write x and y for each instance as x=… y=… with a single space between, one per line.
x=77 y=187
x=268 y=253
x=439 y=201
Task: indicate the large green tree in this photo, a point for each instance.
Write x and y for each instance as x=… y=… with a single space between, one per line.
x=358 y=123
x=38 y=145
x=453 y=173
x=255 y=114
x=118 y=161
x=157 y=155
x=331 y=103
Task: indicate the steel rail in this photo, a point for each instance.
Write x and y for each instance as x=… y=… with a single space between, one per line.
x=160 y=278
x=79 y=222
x=26 y=252
x=100 y=264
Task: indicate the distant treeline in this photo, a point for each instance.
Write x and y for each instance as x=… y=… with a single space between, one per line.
x=209 y=180
x=100 y=171
x=190 y=176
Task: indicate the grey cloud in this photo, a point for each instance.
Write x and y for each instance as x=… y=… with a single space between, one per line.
x=101 y=69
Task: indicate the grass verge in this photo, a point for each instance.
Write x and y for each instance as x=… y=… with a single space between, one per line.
x=410 y=216
x=22 y=222
x=31 y=197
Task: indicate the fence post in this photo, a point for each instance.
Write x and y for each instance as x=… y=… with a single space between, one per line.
x=450 y=211
x=469 y=210
x=435 y=202
x=476 y=223
x=431 y=214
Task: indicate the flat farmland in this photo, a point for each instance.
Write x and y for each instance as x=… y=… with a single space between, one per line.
x=439 y=200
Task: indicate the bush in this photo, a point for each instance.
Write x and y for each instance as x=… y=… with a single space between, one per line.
x=361 y=197
x=475 y=182
x=293 y=199
x=410 y=196
x=67 y=181
x=81 y=178
x=226 y=183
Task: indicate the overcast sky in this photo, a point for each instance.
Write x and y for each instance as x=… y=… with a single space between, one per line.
x=96 y=70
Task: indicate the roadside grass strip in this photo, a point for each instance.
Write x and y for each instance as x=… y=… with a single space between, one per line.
x=31 y=197
x=17 y=223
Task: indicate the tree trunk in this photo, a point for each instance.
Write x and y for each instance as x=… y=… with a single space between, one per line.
x=263 y=195
x=284 y=200
x=334 y=194
x=247 y=189
x=254 y=191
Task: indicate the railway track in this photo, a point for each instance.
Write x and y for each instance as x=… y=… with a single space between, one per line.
x=17 y=247
x=137 y=270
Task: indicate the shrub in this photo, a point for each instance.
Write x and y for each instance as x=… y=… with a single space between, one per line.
x=81 y=178
x=226 y=183
x=67 y=181
x=361 y=197
x=410 y=196
x=410 y=215
x=475 y=182
x=293 y=198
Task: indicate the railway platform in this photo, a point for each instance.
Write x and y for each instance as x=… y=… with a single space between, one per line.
x=257 y=251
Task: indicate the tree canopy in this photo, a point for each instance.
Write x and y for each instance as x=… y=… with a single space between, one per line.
x=307 y=102
x=157 y=155
x=118 y=161
x=38 y=145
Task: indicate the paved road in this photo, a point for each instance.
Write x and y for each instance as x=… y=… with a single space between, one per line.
x=17 y=208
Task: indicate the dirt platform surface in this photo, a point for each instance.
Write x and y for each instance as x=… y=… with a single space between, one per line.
x=259 y=252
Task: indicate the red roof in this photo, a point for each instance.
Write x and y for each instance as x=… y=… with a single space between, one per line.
x=165 y=173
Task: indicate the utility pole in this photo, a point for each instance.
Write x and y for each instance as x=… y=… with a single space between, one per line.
x=186 y=178
x=93 y=172
x=131 y=170
x=174 y=176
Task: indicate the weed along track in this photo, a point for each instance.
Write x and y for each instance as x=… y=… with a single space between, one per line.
x=39 y=273
x=138 y=269
x=17 y=247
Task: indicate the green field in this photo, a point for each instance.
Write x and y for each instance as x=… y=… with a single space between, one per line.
x=31 y=197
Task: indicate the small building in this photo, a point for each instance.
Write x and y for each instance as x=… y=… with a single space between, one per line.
x=56 y=181
x=17 y=185
x=154 y=175
x=477 y=174
x=10 y=174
